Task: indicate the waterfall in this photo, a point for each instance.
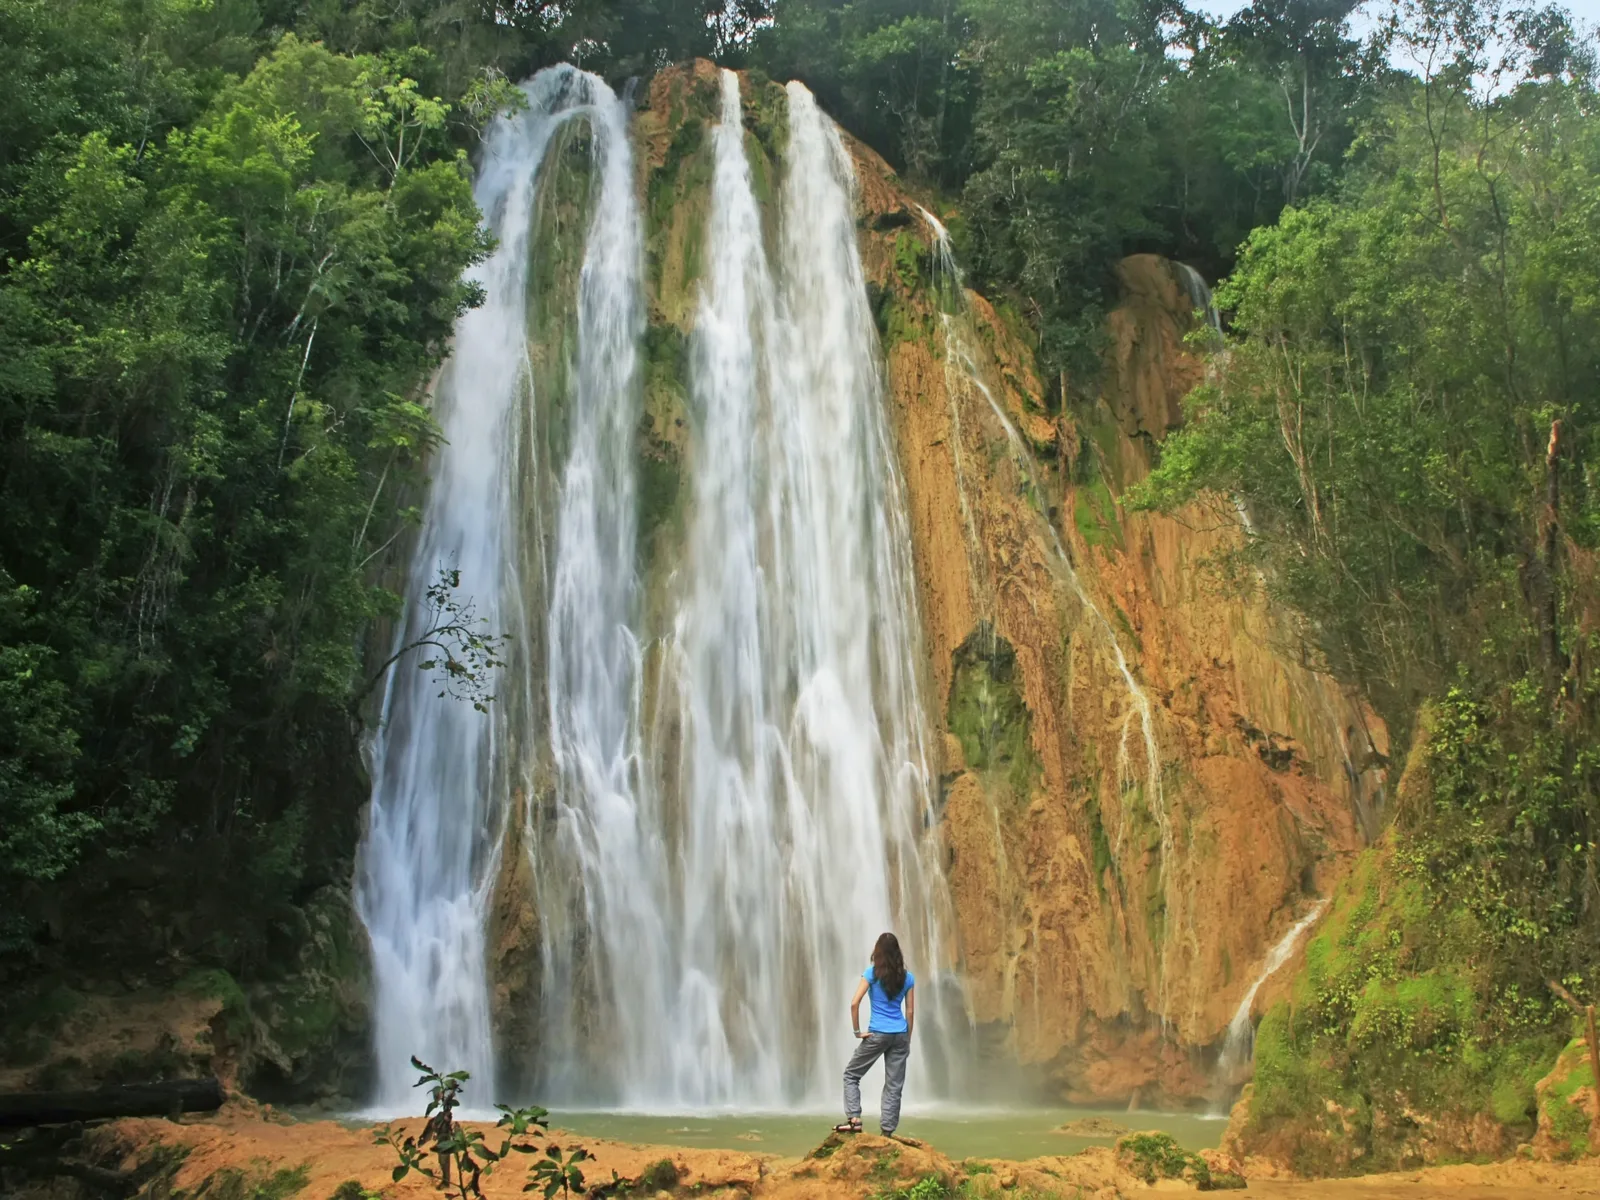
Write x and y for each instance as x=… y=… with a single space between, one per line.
x=443 y=774
x=796 y=763
x=851 y=642
x=1240 y=1041
x=1200 y=297
x=729 y=787
x=600 y=872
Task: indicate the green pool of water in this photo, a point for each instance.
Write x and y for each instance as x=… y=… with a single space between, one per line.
x=991 y=1133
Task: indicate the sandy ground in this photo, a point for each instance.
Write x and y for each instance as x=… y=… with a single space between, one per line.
x=1497 y=1181
x=258 y=1145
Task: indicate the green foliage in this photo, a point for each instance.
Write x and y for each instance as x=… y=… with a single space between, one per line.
x=1079 y=132
x=464 y=1158
x=1156 y=1155
x=557 y=1171
x=925 y=1187
x=233 y=1184
x=1568 y=1122
x=468 y=654
x=1385 y=412
x=660 y=1176
x=1402 y=1004
x=1094 y=512
x=233 y=257
x=1405 y=410
x=1100 y=844
x=40 y=834
x=884 y=1166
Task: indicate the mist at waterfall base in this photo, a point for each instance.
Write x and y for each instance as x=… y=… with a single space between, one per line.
x=736 y=796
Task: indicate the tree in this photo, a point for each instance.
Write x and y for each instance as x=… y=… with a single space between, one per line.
x=227 y=286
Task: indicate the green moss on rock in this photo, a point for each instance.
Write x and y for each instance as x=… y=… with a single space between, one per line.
x=308 y=1030
x=1155 y=1155
x=987 y=714
x=232 y=1183
x=1389 y=1019
x=766 y=114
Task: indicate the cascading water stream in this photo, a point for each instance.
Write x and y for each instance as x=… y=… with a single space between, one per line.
x=727 y=896
x=714 y=841
x=859 y=728
x=442 y=772
x=1240 y=1041
x=1199 y=292
x=960 y=353
x=600 y=868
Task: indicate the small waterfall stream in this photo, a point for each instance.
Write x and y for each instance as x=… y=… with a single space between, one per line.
x=960 y=352
x=1240 y=1041
x=959 y=343
x=1199 y=292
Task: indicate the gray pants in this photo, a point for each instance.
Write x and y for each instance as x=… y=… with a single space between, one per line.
x=894 y=1049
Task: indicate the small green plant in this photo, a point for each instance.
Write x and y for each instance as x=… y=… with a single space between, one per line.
x=558 y=1172
x=230 y=1183
x=884 y=1167
x=827 y=1147
x=464 y=1158
x=928 y=1187
x=660 y=1176
x=465 y=655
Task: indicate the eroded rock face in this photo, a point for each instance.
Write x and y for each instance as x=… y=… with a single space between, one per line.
x=1115 y=893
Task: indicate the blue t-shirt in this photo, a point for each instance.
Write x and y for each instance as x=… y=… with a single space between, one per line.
x=888 y=1015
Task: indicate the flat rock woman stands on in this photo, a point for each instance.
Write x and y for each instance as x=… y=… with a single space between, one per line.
x=888 y=1036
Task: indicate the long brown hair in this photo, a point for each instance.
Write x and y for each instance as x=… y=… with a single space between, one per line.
x=889 y=966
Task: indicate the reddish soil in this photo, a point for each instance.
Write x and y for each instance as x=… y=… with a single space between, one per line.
x=255 y=1145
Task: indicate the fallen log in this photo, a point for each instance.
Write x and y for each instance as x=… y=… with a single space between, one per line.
x=166 y=1098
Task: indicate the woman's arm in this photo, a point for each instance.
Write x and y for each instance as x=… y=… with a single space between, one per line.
x=855 y=1007
x=911 y=1009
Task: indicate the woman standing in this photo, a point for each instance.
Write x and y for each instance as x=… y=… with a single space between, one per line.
x=888 y=1036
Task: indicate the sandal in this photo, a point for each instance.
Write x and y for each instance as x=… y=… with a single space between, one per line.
x=852 y=1125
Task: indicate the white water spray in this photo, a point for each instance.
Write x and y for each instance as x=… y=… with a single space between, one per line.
x=443 y=773
x=728 y=895
x=1240 y=1041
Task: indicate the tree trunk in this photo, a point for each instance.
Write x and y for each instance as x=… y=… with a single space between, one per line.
x=21 y=1109
x=1551 y=616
